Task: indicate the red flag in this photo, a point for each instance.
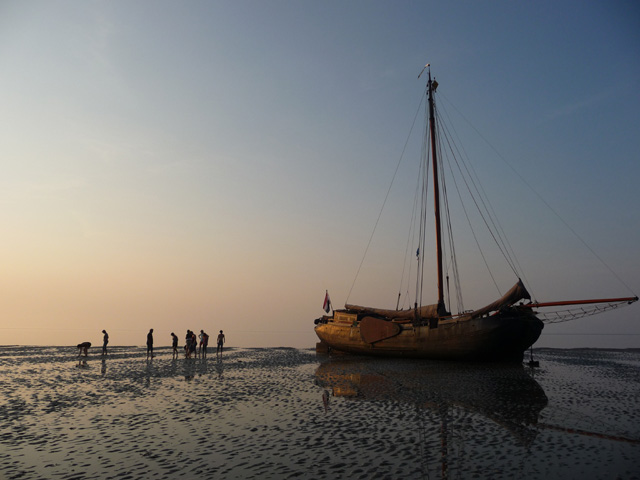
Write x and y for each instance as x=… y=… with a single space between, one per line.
x=327 y=302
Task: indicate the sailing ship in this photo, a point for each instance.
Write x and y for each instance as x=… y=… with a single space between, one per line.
x=501 y=331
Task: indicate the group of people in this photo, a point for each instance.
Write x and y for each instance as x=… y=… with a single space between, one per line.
x=192 y=346
x=196 y=346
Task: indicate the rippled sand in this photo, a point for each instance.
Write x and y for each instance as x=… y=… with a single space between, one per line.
x=288 y=413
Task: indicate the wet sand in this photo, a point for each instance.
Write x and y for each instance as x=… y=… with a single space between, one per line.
x=289 y=413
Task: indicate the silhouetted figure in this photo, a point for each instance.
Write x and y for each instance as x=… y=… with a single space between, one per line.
x=83 y=348
x=174 y=344
x=204 y=342
x=187 y=344
x=194 y=344
x=150 y=344
x=105 y=341
x=220 y=342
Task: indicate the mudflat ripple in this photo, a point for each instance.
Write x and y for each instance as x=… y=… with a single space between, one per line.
x=289 y=413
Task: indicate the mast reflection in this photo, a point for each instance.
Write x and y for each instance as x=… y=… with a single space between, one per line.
x=507 y=395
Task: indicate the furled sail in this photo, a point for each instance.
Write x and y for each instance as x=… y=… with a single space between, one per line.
x=515 y=294
x=518 y=292
x=426 y=311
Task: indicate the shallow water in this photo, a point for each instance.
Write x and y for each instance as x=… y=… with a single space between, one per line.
x=289 y=413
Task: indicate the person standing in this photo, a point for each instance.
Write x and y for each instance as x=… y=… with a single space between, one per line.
x=174 y=344
x=200 y=344
x=105 y=340
x=150 y=343
x=220 y=342
x=204 y=343
x=194 y=344
x=187 y=345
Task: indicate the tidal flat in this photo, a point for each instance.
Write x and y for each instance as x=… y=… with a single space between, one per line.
x=291 y=413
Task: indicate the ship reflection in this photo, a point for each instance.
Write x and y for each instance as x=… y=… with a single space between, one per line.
x=504 y=394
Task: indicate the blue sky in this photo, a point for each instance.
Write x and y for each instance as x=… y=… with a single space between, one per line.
x=221 y=164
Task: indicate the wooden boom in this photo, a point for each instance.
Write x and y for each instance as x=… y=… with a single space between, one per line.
x=582 y=302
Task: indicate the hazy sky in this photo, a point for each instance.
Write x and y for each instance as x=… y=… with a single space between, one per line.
x=220 y=164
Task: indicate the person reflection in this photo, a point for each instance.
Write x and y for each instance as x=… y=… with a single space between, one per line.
x=325 y=400
x=147 y=372
x=189 y=371
x=219 y=367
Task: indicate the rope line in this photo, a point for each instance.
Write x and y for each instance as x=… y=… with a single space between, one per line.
x=559 y=316
x=542 y=199
x=385 y=199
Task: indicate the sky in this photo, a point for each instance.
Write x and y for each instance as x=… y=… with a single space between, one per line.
x=221 y=164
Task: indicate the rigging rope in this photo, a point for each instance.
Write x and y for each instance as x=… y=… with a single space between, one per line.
x=408 y=256
x=486 y=202
x=424 y=178
x=542 y=199
x=575 y=313
x=452 y=249
x=484 y=207
x=484 y=212
x=385 y=199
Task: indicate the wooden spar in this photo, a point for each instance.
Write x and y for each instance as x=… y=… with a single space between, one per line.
x=582 y=302
x=436 y=193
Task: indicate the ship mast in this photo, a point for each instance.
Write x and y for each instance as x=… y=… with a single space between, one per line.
x=436 y=192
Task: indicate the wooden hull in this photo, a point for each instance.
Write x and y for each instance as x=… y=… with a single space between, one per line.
x=499 y=337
